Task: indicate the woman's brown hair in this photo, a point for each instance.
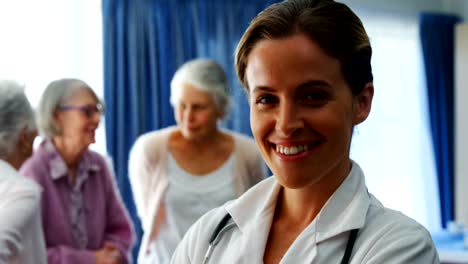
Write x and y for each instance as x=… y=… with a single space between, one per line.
x=333 y=26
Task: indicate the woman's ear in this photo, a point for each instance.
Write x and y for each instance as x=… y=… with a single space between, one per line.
x=25 y=142
x=221 y=114
x=58 y=118
x=22 y=140
x=363 y=103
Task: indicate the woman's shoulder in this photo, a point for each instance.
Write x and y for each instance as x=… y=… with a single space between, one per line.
x=386 y=218
x=12 y=181
x=147 y=154
x=101 y=160
x=23 y=186
x=239 y=136
x=37 y=165
x=42 y=154
x=386 y=226
x=381 y=214
x=243 y=142
x=152 y=141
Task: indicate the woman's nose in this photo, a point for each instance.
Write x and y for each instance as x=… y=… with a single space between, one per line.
x=188 y=113
x=96 y=117
x=289 y=119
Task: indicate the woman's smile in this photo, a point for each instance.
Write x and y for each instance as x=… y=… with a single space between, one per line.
x=292 y=151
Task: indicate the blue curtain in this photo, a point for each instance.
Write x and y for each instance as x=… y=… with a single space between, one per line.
x=437 y=39
x=144 y=43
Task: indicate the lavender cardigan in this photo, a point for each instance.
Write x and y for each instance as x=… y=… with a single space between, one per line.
x=106 y=217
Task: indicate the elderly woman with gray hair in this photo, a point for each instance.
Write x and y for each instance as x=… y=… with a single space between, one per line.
x=181 y=172
x=21 y=236
x=83 y=217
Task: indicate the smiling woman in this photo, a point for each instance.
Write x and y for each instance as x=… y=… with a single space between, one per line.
x=306 y=67
x=84 y=219
x=303 y=90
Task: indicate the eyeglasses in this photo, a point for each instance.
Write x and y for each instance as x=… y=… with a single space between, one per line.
x=87 y=110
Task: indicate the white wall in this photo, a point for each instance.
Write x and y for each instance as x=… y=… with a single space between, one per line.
x=398 y=5
x=50 y=39
x=459 y=7
x=461 y=123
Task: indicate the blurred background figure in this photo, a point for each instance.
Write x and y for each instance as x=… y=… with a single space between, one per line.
x=179 y=173
x=83 y=217
x=21 y=236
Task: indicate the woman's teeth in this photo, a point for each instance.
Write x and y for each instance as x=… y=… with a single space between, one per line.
x=291 y=150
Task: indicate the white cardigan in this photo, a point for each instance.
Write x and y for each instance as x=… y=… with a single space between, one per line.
x=149 y=180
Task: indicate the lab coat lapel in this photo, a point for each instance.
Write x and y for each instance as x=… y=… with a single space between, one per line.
x=346 y=209
x=253 y=214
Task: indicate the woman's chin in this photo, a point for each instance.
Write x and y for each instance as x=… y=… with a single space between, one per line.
x=91 y=139
x=88 y=143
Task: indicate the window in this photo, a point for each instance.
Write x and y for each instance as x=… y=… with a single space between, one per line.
x=393 y=145
x=52 y=39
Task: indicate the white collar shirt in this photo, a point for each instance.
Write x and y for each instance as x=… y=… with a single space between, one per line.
x=21 y=235
x=385 y=236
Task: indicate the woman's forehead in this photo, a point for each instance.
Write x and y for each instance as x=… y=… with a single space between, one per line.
x=292 y=59
x=81 y=96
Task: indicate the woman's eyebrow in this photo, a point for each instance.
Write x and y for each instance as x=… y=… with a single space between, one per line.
x=262 y=89
x=307 y=84
x=314 y=83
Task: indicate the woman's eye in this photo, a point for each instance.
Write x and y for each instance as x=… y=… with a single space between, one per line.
x=266 y=99
x=315 y=98
x=88 y=111
x=199 y=107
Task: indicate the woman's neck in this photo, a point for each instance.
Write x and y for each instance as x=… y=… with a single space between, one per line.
x=69 y=152
x=205 y=143
x=297 y=207
x=302 y=205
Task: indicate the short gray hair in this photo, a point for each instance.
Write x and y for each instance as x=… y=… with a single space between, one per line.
x=206 y=75
x=16 y=114
x=56 y=94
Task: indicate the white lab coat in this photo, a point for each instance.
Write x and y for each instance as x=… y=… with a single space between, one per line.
x=385 y=236
x=21 y=235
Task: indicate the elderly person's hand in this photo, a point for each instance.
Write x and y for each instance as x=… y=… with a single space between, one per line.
x=109 y=254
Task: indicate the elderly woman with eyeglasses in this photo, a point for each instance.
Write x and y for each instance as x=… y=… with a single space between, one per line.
x=83 y=217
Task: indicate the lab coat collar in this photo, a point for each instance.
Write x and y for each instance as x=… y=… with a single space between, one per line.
x=256 y=203
x=346 y=209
